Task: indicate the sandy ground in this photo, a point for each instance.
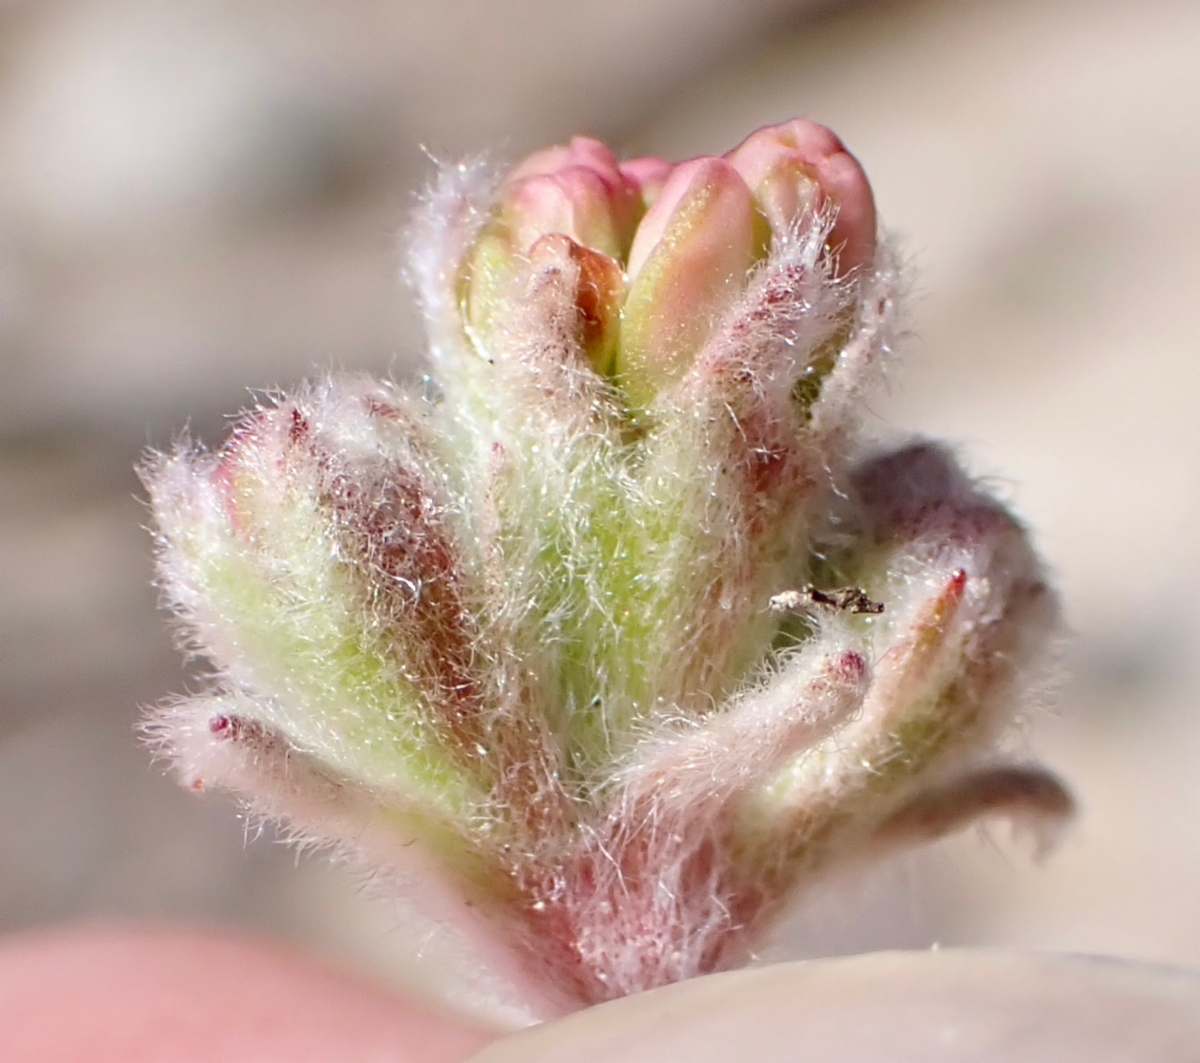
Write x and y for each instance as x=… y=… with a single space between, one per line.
x=199 y=201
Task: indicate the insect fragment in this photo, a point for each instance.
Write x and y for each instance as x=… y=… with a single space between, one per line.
x=846 y=599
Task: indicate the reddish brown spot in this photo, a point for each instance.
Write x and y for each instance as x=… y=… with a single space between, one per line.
x=236 y=729
x=766 y=467
x=377 y=407
x=850 y=666
x=784 y=286
x=409 y=559
x=298 y=427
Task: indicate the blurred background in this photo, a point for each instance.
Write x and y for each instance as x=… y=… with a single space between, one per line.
x=202 y=196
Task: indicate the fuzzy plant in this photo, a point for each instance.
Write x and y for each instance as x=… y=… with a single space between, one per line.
x=616 y=633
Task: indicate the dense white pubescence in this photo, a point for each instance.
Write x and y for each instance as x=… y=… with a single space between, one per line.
x=530 y=630
x=257 y=559
x=730 y=457
x=969 y=620
x=673 y=807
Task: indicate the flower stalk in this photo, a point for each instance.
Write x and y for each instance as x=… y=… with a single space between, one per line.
x=627 y=635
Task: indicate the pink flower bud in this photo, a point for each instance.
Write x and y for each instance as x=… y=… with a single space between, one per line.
x=800 y=167
x=572 y=204
x=579 y=151
x=649 y=173
x=689 y=262
x=577 y=190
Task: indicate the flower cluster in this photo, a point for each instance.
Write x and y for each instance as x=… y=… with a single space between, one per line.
x=616 y=634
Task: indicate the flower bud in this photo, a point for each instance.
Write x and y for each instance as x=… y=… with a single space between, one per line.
x=649 y=174
x=798 y=168
x=586 y=198
x=688 y=264
x=576 y=192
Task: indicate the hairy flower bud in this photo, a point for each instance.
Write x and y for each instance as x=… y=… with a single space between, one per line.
x=626 y=637
x=690 y=260
x=580 y=191
x=798 y=168
x=572 y=202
